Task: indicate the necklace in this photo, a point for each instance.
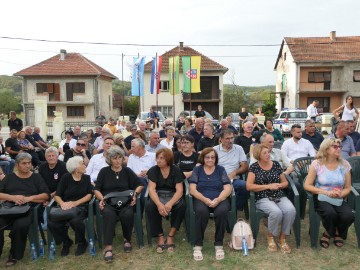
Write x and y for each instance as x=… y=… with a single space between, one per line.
x=116 y=173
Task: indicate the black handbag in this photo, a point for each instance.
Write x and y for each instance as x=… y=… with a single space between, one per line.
x=119 y=200
x=11 y=209
x=166 y=195
x=57 y=214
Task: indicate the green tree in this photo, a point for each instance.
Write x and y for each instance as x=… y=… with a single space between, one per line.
x=269 y=107
x=9 y=102
x=131 y=106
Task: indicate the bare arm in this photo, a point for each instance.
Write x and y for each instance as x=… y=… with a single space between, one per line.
x=251 y=186
x=338 y=109
x=242 y=169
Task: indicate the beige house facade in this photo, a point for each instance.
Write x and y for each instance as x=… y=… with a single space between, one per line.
x=211 y=84
x=323 y=68
x=70 y=83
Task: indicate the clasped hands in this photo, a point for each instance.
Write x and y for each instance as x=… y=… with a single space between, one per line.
x=21 y=199
x=164 y=209
x=212 y=203
x=275 y=186
x=336 y=193
x=67 y=205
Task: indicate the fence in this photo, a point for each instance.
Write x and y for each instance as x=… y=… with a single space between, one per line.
x=84 y=125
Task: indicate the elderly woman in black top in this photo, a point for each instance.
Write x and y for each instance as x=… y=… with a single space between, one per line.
x=267 y=180
x=165 y=177
x=20 y=187
x=73 y=191
x=116 y=178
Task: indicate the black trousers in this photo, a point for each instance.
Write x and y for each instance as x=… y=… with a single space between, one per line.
x=155 y=218
x=202 y=215
x=335 y=217
x=111 y=216
x=60 y=229
x=18 y=233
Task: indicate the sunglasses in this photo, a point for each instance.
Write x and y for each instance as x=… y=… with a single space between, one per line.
x=81 y=144
x=336 y=147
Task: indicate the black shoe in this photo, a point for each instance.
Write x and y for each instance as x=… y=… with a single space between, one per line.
x=66 y=248
x=81 y=248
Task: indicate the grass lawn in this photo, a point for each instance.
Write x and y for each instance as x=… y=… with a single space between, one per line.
x=259 y=258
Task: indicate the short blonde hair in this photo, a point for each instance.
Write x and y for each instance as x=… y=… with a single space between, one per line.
x=257 y=150
x=324 y=146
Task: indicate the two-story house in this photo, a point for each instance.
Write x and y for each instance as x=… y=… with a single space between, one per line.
x=70 y=83
x=211 y=85
x=322 y=68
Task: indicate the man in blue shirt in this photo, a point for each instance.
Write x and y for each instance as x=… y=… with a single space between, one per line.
x=312 y=135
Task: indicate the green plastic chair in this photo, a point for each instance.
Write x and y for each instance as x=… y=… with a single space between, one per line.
x=354 y=202
x=232 y=217
x=301 y=169
x=89 y=221
x=256 y=214
x=355 y=171
x=137 y=223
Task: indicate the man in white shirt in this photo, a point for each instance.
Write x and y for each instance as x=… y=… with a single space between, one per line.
x=105 y=132
x=140 y=161
x=232 y=157
x=296 y=146
x=312 y=110
x=154 y=142
x=97 y=162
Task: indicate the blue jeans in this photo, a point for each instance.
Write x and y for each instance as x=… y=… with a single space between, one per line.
x=241 y=193
x=7 y=166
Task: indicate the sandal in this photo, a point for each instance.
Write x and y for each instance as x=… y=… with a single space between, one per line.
x=10 y=262
x=219 y=253
x=324 y=240
x=108 y=259
x=285 y=248
x=271 y=244
x=161 y=247
x=198 y=256
x=127 y=246
x=170 y=247
x=338 y=242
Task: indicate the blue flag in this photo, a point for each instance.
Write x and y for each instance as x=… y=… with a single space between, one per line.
x=137 y=85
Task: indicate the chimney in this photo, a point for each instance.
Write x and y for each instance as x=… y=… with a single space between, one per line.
x=181 y=46
x=333 y=36
x=62 y=54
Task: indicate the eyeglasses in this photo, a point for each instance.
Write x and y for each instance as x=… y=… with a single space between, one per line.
x=185 y=142
x=210 y=157
x=81 y=144
x=336 y=147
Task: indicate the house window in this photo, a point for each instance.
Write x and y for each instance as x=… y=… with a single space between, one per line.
x=356 y=76
x=75 y=111
x=72 y=88
x=285 y=56
x=164 y=86
x=319 y=77
x=324 y=103
x=50 y=111
x=167 y=111
x=53 y=90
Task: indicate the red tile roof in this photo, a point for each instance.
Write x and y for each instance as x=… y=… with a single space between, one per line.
x=322 y=49
x=74 y=65
x=207 y=64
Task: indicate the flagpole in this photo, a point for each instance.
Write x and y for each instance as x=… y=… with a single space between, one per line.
x=190 y=91
x=173 y=67
x=138 y=77
x=157 y=81
x=123 y=90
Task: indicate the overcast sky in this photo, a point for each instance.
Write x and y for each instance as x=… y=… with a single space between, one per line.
x=167 y=22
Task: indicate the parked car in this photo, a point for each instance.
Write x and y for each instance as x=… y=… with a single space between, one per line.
x=214 y=121
x=236 y=121
x=288 y=117
x=144 y=117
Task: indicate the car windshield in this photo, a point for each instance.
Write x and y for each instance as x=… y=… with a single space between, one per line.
x=297 y=115
x=144 y=116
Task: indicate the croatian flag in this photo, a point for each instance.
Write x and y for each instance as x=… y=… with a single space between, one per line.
x=155 y=75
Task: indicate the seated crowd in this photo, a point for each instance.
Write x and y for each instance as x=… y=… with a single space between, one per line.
x=135 y=157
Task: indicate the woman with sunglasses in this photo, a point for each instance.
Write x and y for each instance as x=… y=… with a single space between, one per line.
x=80 y=149
x=211 y=187
x=330 y=179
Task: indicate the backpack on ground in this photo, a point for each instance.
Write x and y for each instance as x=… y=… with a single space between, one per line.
x=241 y=228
